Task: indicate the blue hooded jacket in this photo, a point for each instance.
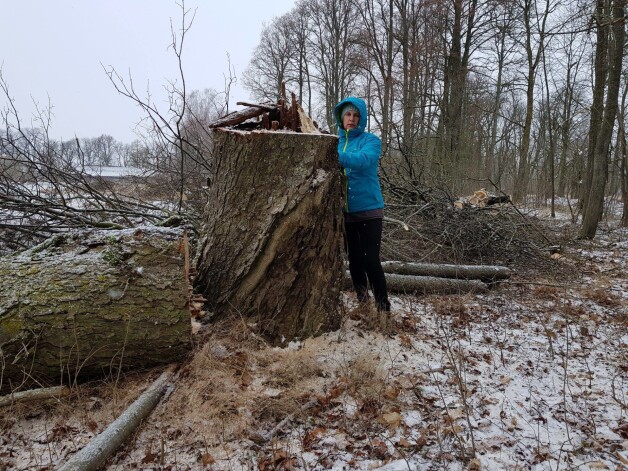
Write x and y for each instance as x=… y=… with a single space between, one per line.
x=358 y=153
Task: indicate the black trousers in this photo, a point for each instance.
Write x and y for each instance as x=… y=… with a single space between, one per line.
x=363 y=240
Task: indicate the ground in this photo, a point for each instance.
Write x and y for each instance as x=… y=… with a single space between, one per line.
x=531 y=376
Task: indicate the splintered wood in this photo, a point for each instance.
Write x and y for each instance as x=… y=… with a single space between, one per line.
x=269 y=116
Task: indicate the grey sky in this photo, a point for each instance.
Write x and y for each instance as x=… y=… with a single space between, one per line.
x=55 y=49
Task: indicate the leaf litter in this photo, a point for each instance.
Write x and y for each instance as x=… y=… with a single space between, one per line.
x=532 y=375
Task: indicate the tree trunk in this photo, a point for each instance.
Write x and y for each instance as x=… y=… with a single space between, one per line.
x=624 y=186
x=272 y=232
x=94 y=455
x=531 y=18
x=597 y=106
x=409 y=284
x=480 y=272
x=595 y=201
x=89 y=304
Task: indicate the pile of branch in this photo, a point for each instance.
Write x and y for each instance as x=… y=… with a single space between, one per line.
x=431 y=229
x=269 y=116
x=41 y=196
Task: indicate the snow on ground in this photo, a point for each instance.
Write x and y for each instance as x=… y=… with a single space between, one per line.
x=531 y=376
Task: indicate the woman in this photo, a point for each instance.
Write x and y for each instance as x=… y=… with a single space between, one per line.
x=358 y=154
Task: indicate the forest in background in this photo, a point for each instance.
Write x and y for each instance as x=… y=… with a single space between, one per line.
x=467 y=93
x=521 y=97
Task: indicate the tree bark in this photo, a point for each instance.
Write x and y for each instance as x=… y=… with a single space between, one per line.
x=595 y=201
x=597 y=106
x=520 y=187
x=271 y=247
x=88 y=304
x=480 y=272
x=408 y=284
x=98 y=451
x=41 y=394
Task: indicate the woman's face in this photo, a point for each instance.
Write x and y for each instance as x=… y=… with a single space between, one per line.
x=351 y=119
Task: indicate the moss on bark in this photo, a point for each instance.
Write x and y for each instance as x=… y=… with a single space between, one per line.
x=67 y=312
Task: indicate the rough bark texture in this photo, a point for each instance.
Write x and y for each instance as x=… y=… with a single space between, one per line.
x=88 y=304
x=272 y=239
x=597 y=191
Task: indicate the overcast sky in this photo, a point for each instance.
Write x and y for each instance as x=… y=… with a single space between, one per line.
x=54 y=50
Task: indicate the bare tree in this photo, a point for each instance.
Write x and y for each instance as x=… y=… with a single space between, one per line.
x=376 y=38
x=456 y=66
x=535 y=26
x=613 y=62
x=167 y=128
x=43 y=190
x=272 y=58
x=332 y=42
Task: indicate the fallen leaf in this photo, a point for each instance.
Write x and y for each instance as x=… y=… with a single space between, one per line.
x=405 y=340
x=207 y=459
x=475 y=465
x=391 y=393
x=453 y=430
x=505 y=380
x=392 y=420
x=311 y=436
x=455 y=413
x=403 y=443
x=379 y=448
x=621 y=458
x=149 y=457
x=246 y=378
x=598 y=465
x=622 y=430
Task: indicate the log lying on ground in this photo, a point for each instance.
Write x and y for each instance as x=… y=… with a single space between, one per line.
x=272 y=239
x=408 y=284
x=55 y=392
x=469 y=272
x=90 y=303
x=96 y=453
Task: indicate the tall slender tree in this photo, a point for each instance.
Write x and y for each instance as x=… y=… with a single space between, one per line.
x=595 y=200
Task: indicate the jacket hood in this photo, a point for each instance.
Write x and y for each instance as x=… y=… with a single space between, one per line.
x=361 y=106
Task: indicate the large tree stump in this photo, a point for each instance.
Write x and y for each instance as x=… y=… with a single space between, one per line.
x=272 y=237
x=89 y=304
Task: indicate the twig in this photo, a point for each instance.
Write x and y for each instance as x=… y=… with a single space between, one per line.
x=265 y=437
x=55 y=392
x=535 y=283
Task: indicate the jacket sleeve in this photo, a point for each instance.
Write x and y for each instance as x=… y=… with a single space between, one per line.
x=366 y=156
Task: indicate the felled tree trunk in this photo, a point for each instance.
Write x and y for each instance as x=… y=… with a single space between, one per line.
x=90 y=304
x=271 y=246
x=409 y=284
x=468 y=272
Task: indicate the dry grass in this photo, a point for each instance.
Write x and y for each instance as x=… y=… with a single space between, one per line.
x=371 y=319
x=364 y=378
x=603 y=297
x=236 y=386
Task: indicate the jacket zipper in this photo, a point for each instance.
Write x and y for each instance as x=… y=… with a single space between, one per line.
x=346 y=175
